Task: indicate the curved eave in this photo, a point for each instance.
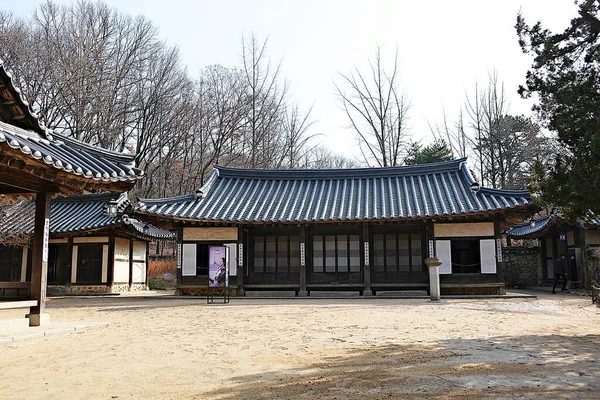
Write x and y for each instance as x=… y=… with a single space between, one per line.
x=525 y=231
x=28 y=118
x=86 y=230
x=91 y=164
x=440 y=217
x=136 y=227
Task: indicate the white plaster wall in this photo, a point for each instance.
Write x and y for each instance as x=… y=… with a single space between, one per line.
x=121 y=261
x=139 y=262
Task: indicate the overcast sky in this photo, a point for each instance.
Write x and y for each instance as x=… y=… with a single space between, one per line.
x=444 y=46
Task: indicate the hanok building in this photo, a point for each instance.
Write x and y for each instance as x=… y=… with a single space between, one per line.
x=34 y=162
x=363 y=230
x=555 y=236
x=95 y=246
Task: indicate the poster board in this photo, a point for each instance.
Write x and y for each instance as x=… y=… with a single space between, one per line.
x=218 y=268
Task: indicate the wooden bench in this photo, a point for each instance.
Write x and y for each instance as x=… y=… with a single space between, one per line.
x=6 y=305
x=21 y=288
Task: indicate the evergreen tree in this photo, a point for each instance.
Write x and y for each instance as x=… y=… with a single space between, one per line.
x=435 y=152
x=565 y=76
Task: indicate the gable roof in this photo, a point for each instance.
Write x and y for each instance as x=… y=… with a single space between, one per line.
x=240 y=195
x=80 y=214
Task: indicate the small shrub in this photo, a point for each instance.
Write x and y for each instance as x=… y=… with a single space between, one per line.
x=161 y=284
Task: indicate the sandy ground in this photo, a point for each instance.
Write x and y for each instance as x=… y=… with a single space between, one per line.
x=312 y=349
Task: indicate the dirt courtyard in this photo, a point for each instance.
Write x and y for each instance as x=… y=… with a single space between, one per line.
x=157 y=348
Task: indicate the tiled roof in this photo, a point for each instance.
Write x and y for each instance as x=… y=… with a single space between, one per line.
x=538 y=227
x=16 y=110
x=71 y=155
x=292 y=196
x=22 y=134
x=79 y=214
x=532 y=228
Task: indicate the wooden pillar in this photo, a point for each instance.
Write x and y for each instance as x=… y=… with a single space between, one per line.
x=430 y=250
x=303 y=257
x=499 y=256
x=582 y=259
x=366 y=259
x=146 y=262
x=179 y=256
x=242 y=260
x=111 y=261
x=39 y=260
x=130 y=263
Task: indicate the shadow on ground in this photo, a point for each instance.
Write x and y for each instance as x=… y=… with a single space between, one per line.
x=554 y=367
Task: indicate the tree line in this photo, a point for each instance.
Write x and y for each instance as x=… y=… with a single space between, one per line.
x=107 y=78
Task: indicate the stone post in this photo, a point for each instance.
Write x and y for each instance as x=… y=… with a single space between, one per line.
x=433 y=263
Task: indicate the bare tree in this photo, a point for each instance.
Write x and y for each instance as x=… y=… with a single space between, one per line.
x=106 y=78
x=265 y=97
x=505 y=146
x=95 y=74
x=453 y=134
x=296 y=127
x=377 y=110
x=321 y=157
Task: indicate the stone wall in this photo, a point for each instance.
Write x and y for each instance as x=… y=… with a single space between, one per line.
x=522 y=266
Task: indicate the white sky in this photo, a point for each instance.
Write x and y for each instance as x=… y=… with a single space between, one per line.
x=444 y=46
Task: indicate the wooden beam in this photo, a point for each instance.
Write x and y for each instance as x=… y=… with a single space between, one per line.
x=39 y=264
x=6 y=189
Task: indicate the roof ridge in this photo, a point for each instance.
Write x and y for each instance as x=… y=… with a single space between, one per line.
x=367 y=172
x=166 y=200
x=109 y=154
x=91 y=197
x=505 y=191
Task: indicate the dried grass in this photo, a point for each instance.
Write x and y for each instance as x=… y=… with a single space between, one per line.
x=157 y=268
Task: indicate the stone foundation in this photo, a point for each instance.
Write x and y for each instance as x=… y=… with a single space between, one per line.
x=119 y=288
x=523 y=266
x=490 y=290
x=76 y=289
x=98 y=289
x=138 y=287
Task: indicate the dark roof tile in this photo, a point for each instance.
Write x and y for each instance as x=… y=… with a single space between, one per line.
x=291 y=196
x=79 y=214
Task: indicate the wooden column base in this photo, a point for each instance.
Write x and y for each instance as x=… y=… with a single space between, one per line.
x=42 y=319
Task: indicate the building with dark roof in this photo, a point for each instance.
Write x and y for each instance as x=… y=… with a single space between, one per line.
x=555 y=235
x=364 y=230
x=36 y=163
x=94 y=246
